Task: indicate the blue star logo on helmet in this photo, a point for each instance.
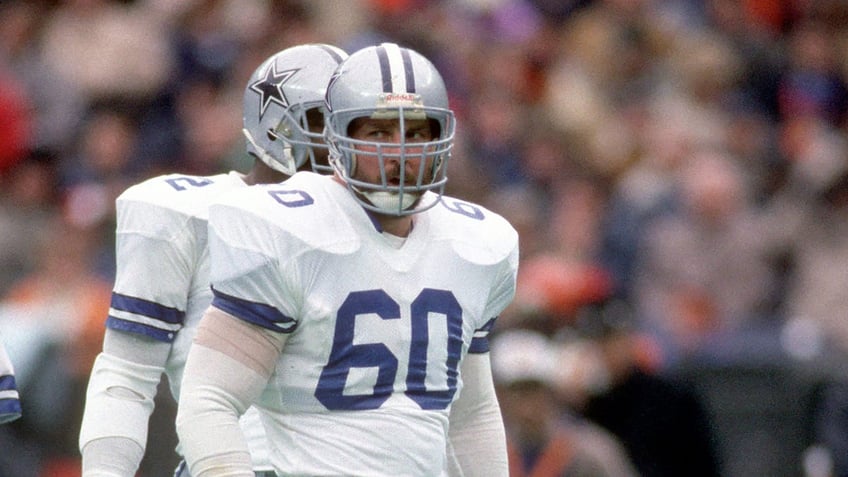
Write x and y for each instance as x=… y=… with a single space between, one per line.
x=270 y=88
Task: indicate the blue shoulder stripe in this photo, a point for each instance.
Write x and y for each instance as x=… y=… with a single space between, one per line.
x=259 y=314
x=147 y=308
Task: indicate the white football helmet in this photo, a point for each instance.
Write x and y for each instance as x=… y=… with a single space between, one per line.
x=283 y=95
x=388 y=81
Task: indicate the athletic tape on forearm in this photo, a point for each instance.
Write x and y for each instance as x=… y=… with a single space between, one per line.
x=216 y=389
x=111 y=457
x=119 y=400
x=221 y=466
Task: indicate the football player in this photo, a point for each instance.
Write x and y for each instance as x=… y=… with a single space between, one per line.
x=353 y=310
x=10 y=403
x=162 y=281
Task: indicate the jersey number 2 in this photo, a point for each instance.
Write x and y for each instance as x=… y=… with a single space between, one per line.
x=345 y=355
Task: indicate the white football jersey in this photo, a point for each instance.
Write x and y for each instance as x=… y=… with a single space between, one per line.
x=365 y=381
x=10 y=403
x=163 y=220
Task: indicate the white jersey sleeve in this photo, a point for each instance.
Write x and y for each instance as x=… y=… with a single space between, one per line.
x=10 y=403
x=162 y=221
x=366 y=379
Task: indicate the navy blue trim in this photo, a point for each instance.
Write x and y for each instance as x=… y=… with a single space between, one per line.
x=488 y=326
x=7 y=383
x=10 y=407
x=137 y=328
x=181 y=468
x=147 y=308
x=372 y=217
x=385 y=69
x=259 y=314
x=408 y=71
x=481 y=345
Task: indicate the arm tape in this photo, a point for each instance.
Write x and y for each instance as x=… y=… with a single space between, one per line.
x=119 y=400
x=228 y=365
x=110 y=457
x=250 y=345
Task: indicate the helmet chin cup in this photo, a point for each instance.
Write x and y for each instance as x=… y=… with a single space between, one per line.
x=391 y=203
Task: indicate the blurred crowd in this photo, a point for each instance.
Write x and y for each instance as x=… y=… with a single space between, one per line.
x=687 y=158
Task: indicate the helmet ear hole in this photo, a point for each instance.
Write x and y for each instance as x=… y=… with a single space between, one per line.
x=272 y=135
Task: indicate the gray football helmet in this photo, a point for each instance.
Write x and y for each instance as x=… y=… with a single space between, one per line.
x=283 y=95
x=388 y=81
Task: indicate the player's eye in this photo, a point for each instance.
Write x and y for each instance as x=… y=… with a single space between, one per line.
x=379 y=134
x=419 y=134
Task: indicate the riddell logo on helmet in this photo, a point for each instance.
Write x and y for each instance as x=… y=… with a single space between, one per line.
x=399 y=99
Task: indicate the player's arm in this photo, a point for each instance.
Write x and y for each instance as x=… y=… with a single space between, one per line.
x=155 y=267
x=477 y=434
x=228 y=366
x=119 y=401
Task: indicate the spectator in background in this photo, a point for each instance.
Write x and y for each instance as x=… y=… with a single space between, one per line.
x=53 y=104
x=830 y=428
x=661 y=422
x=807 y=222
x=15 y=122
x=108 y=49
x=812 y=83
x=550 y=291
x=28 y=203
x=209 y=116
x=701 y=271
x=544 y=437
x=96 y=171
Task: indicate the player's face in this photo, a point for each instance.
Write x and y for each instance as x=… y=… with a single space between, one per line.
x=388 y=131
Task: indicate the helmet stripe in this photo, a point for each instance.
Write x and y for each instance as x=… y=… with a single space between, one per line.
x=385 y=69
x=407 y=68
x=394 y=59
x=333 y=53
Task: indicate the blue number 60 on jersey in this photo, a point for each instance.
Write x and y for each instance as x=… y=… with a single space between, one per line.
x=345 y=355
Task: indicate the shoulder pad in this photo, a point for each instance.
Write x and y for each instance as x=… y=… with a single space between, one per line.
x=187 y=194
x=299 y=208
x=476 y=233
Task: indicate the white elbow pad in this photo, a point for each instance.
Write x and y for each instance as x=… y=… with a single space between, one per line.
x=119 y=400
